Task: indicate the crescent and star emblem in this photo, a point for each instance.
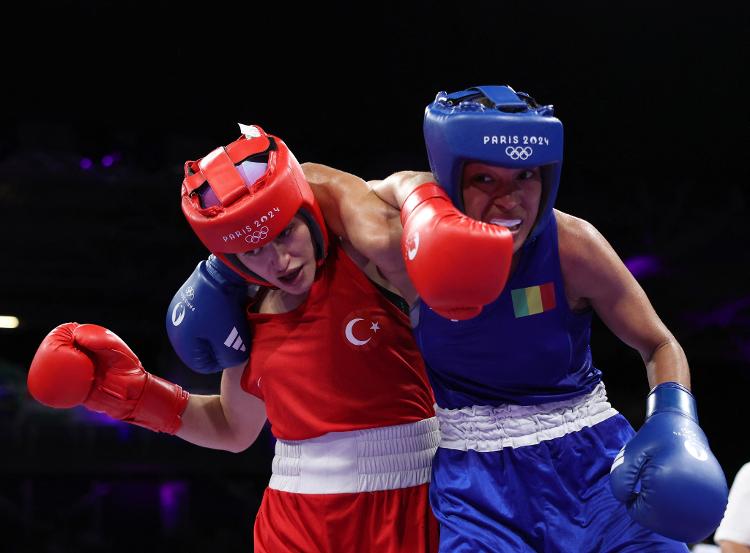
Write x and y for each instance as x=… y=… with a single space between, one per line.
x=350 y=332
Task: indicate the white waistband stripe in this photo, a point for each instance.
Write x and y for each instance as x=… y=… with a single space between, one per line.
x=484 y=428
x=374 y=459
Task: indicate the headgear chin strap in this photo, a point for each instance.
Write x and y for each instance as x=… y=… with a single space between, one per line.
x=240 y=197
x=498 y=126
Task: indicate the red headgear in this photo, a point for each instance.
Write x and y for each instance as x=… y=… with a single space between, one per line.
x=232 y=213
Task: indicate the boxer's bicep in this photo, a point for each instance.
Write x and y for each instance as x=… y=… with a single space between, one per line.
x=375 y=233
x=332 y=189
x=355 y=213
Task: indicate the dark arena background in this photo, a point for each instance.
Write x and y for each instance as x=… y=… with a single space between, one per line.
x=103 y=102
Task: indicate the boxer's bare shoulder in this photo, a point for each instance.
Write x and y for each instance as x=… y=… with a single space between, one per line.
x=576 y=238
x=591 y=268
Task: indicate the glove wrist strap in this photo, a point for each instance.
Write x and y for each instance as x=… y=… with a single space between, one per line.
x=161 y=406
x=419 y=195
x=674 y=397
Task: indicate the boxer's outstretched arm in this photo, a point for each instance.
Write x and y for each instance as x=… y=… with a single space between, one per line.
x=353 y=211
x=89 y=365
x=230 y=421
x=360 y=217
x=451 y=246
x=365 y=213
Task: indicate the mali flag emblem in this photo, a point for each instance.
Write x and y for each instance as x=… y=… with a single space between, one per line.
x=533 y=300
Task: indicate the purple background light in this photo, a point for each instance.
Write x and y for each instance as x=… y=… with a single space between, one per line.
x=110 y=159
x=172 y=496
x=644 y=266
x=98 y=419
x=733 y=313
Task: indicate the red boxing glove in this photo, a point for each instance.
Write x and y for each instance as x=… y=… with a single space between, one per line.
x=88 y=364
x=456 y=263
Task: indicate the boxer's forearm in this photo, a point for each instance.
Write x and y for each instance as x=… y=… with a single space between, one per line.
x=667 y=363
x=230 y=421
x=385 y=191
x=205 y=423
x=395 y=188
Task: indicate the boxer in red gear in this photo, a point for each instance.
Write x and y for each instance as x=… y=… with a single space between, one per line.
x=333 y=366
x=332 y=359
x=347 y=396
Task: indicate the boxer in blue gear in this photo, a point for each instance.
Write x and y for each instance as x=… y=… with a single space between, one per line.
x=533 y=457
x=528 y=434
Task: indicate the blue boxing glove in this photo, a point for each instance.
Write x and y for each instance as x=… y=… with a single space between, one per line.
x=206 y=320
x=666 y=475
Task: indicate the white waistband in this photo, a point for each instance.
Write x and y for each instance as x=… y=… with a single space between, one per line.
x=485 y=428
x=373 y=459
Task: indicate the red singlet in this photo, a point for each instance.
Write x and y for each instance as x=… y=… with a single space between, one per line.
x=343 y=360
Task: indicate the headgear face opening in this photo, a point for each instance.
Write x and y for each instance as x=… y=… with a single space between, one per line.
x=498 y=126
x=240 y=197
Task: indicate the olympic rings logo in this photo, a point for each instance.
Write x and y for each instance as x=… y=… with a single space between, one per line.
x=257 y=235
x=519 y=152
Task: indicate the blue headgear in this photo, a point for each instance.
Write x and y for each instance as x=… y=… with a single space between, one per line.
x=498 y=126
